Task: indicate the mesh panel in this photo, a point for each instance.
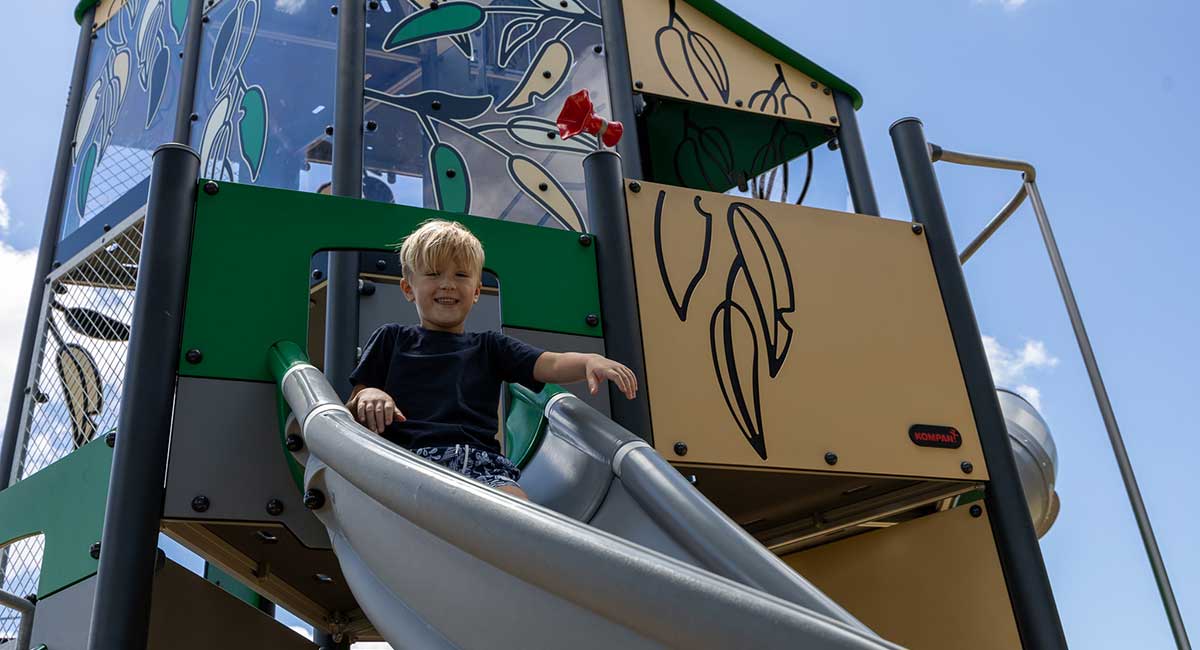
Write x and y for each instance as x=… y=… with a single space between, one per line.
x=119 y=171
x=77 y=380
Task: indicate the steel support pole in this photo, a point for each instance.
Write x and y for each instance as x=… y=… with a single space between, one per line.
x=121 y=609
x=854 y=157
x=1033 y=604
x=341 y=294
x=620 y=85
x=618 y=291
x=50 y=228
x=187 y=78
x=1110 y=423
x=26 y=610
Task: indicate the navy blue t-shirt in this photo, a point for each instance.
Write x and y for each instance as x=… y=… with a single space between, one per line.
x=446 y=385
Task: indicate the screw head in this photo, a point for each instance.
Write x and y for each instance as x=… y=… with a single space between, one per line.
x=194 y=117
x=918 y=228
x=635 y=187
x=833 y=118
x=314 y=499
x=585 y=240
x=200 y=503
x=211 y=188
x=373 y=5
x=828 y=91
x=967 y=467
x=372 y=125
x=333 y=10
x=204 y=19
x=381 y=264
x=814 y=85
x=830 y=458
x=680 y=448
x=637 y=84
x=546 y=74
x=274 y=507
x=976 y=511
x=110 y=439
x=738 y=103
x=434 y=4
x=94 y=550
x=550 y=135
x=294 y=442
x=592 y=320
x=194 y=356
x=543 y=187
x=317 y=274
x=597 y=49
x=435 y=104
x=328 y=129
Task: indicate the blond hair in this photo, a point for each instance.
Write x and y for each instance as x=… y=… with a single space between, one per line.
x=437 y=242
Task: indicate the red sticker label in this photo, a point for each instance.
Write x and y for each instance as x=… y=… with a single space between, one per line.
x=932 y=435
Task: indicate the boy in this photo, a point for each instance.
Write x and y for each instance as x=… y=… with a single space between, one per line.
x=435 y=389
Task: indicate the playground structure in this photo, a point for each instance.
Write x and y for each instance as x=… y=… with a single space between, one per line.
x=819 y=457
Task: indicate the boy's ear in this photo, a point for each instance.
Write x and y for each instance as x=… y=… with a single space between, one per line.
x=407 y=289
x=478 y=288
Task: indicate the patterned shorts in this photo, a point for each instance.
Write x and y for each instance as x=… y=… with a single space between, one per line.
x=474 y=463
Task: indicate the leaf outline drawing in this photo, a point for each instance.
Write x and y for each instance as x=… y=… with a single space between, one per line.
x=681 y=306
x=689 y=44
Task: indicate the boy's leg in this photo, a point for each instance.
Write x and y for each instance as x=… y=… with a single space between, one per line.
x=514 y=490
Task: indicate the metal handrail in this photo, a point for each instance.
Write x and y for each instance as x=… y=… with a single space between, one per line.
x=25 y=608
x=1029 y=188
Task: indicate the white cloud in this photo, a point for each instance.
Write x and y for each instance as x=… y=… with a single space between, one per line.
x=5 y=215
x=1010 y=367
x=16 y=267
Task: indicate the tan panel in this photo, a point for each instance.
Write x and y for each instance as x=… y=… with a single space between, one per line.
x=835 y=317
x=676 y=51
x=105 y=10
x=933 y=583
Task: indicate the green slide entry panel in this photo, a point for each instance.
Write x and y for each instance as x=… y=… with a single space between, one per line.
x=65 y=502
x=252 y=247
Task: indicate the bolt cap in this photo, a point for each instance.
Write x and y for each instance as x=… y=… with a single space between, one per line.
x=194 y=356
x=592 y=320
x=918 y=228
x=94 y=550
x=585 y=240
x=274 y=507
x=976 y=510
x=294 y=442
x=200 y=503
x=681 y=448
x=635 y=187
x=110 y=439
x=314 y=499
x=831 y=458
x=211 y=188
x=967 y=467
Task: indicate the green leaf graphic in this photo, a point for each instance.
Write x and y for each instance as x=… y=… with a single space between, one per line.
x=86 y=167
x=450 y=181
x=179 y=12
x=448 y=19
x=252 y=128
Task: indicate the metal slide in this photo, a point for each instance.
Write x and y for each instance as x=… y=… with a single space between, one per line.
x=618 y=550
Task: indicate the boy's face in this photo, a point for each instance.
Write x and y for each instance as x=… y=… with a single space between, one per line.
x=443 y=296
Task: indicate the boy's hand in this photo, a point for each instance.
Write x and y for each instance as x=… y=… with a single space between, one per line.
x=599 y=368
x=374 y=409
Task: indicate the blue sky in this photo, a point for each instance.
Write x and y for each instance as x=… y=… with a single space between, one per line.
x=1099 y=95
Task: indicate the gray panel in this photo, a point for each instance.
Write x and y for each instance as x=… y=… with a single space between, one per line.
x=554 y=342
x=388 y=305
x=63 y=619
x=225 y=445
x=190 y=613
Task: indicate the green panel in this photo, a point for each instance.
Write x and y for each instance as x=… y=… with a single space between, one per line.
x=252 y=246
x=231 y=585
x=65 y=502
x=526 y=421
x=770 y=45
x=709 y=148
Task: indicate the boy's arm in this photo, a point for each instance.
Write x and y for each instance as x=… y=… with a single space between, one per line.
x=373 y=408
x=567 y=367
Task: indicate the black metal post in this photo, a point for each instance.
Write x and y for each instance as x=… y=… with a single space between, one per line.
x=187 y=78
x=341 y=294
x=854 y=157
x=618 y=291
x=121 y=610
x=50 y=232
x=620 y=85
x=1033 y=603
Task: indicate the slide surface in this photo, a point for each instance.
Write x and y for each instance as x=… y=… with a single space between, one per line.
x=618 y=550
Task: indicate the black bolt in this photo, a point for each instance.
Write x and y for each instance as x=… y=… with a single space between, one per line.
x=372 y=125
x=585 y=240
x=193 y=117
x=110 y=439
x=828 y=91
x=274 y=507
x=381 y=264
x=551 y=135
x=372 y=5
x=31 y=598
x=194 y=356
x=967 y=467
x=204 y=19
x=543 y=187
x=976 y=511
x=433 y=5
x=328 y=129
x=211 y=188
x=94 y=550
x=597 y=49
x=830 y=458
x=40 y=397
x=435 y=104
x=181 y=54
x=738 y=103
x=450 y=173
x=317 y=274
x=563 y=4
x=814 y=84
x=314 y=499
x=635 y=187
x=333 y=10
x=294 y=442
x=546 y=74
x=918 y=228
x=833 y=145
x=680 y=448
x=200 y=503
x=637 y=84
x=592 y=320
x=833 y=118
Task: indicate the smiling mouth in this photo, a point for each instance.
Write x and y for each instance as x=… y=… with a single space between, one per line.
x=446 y=301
